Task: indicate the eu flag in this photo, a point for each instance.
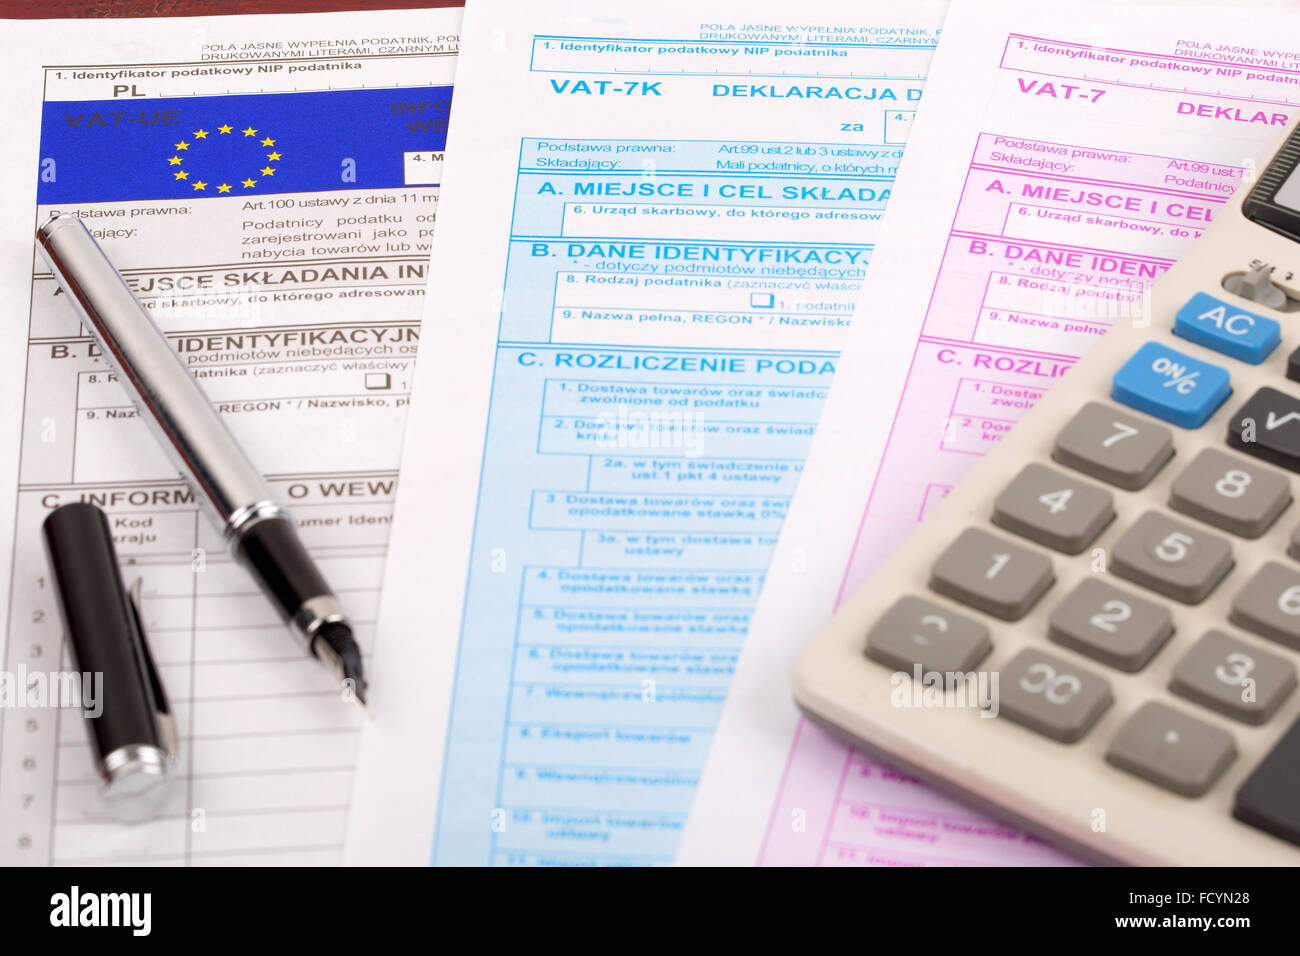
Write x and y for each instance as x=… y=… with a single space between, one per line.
x=201 y=147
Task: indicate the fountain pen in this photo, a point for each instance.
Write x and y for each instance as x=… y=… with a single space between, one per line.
x=230 y=491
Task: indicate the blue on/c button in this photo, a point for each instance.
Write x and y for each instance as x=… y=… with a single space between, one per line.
x=1171 y=386
x=1217 y=325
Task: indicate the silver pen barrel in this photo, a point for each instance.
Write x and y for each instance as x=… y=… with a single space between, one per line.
x=229 y=489
x=200 y=445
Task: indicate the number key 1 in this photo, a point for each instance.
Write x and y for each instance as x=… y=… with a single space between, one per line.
x=992 y=575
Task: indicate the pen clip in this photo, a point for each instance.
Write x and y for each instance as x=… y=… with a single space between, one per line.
x=163 y=719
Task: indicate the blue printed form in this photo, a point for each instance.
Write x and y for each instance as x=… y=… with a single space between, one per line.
x=652 y=237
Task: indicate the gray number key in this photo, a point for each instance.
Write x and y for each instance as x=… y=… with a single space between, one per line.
x=1113 y=446
x=991 y=574
x=1222 y=490
x=1269 y=604
x=1048 y=507
x=1110 y=625
x=1235 y=678
x=1171 y=749
x=1172 y=558
x=915 y=632
x=1051 y=695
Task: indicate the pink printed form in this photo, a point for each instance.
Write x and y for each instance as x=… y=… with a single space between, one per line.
x=1086 y=230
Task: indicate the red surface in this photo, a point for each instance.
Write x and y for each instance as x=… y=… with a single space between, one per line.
x=197 y=8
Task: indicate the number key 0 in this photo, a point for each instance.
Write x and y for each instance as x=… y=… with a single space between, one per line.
x=1050 y=695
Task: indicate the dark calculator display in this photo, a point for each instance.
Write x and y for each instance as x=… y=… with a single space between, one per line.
x=1275 y=200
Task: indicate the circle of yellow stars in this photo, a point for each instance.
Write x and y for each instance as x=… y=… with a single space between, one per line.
x=198 y=185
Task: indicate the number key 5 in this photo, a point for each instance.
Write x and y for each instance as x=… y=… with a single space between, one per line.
x=1172 y=558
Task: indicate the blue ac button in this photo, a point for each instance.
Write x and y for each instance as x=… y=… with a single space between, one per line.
x=1225 y=328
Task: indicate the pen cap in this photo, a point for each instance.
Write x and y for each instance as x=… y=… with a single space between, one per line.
x=128 y=724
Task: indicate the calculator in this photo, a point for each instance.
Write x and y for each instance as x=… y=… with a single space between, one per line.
x=1096 y=636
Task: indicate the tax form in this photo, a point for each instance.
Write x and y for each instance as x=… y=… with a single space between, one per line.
x=653 y=233
x=268 y=187
x=1065 y=157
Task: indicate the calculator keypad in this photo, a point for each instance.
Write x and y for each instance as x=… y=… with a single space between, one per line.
x=1269 y=604
x=1172 y=749
x=915 y=632
x=1172 y=558
x=1051 y=696
x=1237 y=679
x=1113 y=446
x=992 y=574
x=1053 y=509
x=1235 y=495
x=1220 y=674
x=1110 y=625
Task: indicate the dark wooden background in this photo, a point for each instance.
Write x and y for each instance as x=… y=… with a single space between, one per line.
x=197 y=8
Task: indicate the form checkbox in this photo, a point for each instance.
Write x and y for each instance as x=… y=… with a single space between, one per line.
x=762 y=300
x=378 y=380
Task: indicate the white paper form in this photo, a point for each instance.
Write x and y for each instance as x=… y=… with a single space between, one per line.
x=1066 y=154
x=652 y=234
x=267 y=185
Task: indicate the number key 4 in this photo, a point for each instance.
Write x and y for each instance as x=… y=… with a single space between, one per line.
x=1053 y=509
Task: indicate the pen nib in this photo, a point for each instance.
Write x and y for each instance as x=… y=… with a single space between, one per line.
x=336 y=646
x=358 y=685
